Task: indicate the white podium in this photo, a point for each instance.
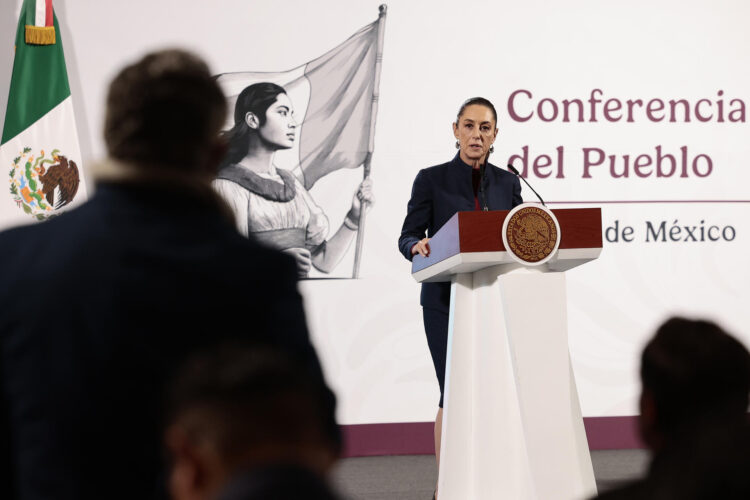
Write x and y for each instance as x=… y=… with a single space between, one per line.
x=512 y=423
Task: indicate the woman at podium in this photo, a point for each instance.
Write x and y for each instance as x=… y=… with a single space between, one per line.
x=467 y=182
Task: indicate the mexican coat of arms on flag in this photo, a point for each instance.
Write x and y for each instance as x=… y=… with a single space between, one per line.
x=39 y=152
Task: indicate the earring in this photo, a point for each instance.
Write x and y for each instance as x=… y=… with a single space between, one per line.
x=492 y=148
x=458 y=146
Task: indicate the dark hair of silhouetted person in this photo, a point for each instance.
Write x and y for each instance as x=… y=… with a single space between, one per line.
x=248 y=397
x=165 y=110
x=695 y=372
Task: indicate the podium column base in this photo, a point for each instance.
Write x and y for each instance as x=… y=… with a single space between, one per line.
x=512 y=424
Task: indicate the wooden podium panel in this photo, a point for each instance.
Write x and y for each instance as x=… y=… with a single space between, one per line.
x=471 y=241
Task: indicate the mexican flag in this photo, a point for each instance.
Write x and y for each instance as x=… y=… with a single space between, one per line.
x=39 y=151
x=335 y=102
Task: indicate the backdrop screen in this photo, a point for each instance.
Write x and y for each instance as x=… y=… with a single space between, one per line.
x=639 y=108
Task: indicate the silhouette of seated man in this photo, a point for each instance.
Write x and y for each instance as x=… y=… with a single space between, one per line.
x=246 y=423
x=694 y=402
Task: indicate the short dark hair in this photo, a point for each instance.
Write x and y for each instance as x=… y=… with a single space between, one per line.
x=695 y=370
x=240 y=396
x=481 y=101
x=164 y=110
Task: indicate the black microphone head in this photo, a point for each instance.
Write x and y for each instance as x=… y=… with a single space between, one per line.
x=513 y=169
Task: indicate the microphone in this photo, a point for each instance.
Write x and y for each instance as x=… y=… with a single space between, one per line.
x=482 y=168
x=513 y=169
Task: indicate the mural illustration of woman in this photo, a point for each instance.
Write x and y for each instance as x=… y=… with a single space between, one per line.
x=271 y=203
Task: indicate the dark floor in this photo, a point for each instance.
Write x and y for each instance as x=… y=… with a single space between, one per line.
x=413 y=477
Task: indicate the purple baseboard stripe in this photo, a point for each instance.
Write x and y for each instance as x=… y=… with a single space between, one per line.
x=367 y=440
x=416 y=438
x=612 y=433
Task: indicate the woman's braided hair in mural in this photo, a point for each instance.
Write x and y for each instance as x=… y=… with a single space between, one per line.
x=256 y=99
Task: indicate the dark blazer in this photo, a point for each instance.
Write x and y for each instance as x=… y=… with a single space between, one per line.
x=98 y=306
x=438 y=193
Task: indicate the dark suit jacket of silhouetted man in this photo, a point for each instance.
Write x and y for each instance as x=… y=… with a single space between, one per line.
x=98 y=306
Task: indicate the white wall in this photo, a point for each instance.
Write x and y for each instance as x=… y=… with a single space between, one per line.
x=438 y=53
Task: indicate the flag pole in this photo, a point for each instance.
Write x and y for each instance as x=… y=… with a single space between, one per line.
x=373 y=116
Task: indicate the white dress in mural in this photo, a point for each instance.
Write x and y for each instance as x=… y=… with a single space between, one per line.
x=294 y=223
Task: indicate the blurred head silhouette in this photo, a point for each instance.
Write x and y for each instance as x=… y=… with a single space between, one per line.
x=165 y=112
x=245 y=410
x=694 y=375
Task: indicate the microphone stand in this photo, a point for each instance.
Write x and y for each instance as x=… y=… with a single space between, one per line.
x=482 y=169
x=513 y=169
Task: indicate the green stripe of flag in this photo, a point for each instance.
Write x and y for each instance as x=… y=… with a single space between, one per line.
x=30 y=12
x=39 y=81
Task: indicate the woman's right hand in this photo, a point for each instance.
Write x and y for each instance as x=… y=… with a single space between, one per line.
x=303 y=258
x=422 y=247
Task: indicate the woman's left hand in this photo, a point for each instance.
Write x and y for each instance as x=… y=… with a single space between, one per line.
x=362 y=196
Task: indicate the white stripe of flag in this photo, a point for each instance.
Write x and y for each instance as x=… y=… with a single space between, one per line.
x=41 y=12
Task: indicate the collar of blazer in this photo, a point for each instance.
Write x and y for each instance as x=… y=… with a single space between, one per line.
x=113 y=171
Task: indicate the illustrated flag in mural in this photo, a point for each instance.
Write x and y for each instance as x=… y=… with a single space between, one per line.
x=333 y=99
x=39 y=151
